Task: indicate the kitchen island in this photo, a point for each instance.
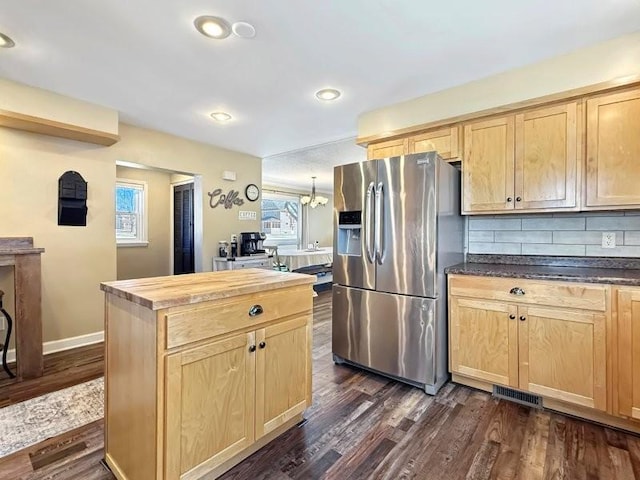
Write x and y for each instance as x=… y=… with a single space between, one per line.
x=202 y=370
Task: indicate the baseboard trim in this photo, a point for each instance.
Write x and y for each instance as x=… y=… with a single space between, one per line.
x=64 y=344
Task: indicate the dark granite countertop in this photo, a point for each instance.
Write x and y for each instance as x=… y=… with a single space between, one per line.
x=619 y=271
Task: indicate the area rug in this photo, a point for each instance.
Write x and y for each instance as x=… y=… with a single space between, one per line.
x=37 y=419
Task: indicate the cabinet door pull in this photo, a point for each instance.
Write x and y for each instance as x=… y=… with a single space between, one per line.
x=509 y=199
x=518 y=199
x=255 y=310
x=512 y=316
x=252 y=348
x=262 y=344
x=516 y=291
x=522 y=318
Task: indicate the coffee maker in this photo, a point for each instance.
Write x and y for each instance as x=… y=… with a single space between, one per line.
x=251 y=243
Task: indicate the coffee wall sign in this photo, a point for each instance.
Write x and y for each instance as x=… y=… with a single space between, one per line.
x=228 y=200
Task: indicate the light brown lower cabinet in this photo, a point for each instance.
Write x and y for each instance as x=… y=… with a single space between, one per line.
x=223 y=396
x=192 y=390
x=553 y=352
x=577 y=345
x=629 y=352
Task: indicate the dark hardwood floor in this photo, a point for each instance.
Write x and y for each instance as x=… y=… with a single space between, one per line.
x=365 y=426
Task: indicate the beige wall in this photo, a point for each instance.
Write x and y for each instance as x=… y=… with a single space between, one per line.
x=154 y=259
x=321 y=223
x=15 y=97
x=600 y=63
x=320 y=219
x=77 y=259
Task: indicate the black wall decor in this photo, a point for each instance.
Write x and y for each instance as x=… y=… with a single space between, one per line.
x=72 y=200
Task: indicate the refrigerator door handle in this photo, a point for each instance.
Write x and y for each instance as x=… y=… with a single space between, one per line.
x=379 y=237
x=369 y=219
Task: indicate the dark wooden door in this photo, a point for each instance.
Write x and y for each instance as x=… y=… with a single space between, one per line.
x=183 y=261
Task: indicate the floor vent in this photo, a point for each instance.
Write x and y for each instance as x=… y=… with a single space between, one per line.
x=517 y=396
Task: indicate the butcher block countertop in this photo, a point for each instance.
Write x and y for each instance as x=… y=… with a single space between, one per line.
x=176 y=290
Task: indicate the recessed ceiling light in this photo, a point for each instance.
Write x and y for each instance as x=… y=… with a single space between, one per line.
x=6 y=42
x=221 y=117
x=213 y=27
x=328 y=94
x=243 y=30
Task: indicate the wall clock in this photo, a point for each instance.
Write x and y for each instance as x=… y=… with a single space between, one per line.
x=252 y=192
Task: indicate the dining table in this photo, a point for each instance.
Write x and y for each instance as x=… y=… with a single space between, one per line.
x=296 y=259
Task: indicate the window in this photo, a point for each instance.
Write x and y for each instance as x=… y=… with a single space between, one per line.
x=131 y=213
x=281 y=219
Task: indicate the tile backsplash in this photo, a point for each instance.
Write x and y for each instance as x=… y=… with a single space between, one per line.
x=567 y=234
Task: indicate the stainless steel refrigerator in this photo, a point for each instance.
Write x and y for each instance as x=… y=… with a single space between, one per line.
x=397 y=225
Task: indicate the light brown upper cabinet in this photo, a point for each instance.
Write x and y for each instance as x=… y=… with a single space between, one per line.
x=613 y=150
x=390 y=148
x=524 y=162
x=488 y=166
x=547 y=157
x=446 y=141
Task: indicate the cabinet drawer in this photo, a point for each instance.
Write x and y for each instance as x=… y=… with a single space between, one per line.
x=190 y=324
x=552 y=293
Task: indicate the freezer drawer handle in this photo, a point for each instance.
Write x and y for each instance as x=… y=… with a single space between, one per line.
x=255 y=310
x=516 y=291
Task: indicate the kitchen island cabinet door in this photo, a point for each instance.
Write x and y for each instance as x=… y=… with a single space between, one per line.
x=488 y=166
x=210 y=402
x=546 y=158
x=563 y=355
x=613 y=150
x=283 y=373
x=629 y=353
x=484 y=340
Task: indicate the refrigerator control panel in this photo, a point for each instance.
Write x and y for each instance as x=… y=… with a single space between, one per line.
x=349 y=228
x=350 y=218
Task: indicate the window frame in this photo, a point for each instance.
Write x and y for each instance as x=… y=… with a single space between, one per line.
x=274 y=195
x=142 y=239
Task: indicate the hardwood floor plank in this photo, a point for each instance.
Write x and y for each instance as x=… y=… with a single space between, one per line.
x=508 y=430
x=317 y=469
x=534 y=446
x=621 y=462
x=554 y=462
x=483 y=461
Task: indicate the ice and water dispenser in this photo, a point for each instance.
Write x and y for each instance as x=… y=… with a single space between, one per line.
x=349 y=231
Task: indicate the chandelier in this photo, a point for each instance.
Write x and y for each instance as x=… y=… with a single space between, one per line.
x=314 y=200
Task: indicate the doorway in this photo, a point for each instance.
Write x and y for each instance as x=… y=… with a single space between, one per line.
x=183 y=231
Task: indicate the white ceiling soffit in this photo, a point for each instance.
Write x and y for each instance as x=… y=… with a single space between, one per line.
x=146 y=59
x=295 y=169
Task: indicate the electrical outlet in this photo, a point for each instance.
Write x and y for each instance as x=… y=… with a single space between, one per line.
x=608 y=240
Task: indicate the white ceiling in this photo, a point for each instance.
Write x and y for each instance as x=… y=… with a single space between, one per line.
x=295 y=169
x=145 y=59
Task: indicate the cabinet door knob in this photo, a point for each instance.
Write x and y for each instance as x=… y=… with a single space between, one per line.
x=512 y=316
x=522 y=318
x=518 y=199
x=262 y=344
x=509 y=199
x=516 y=291
x=252 y=348
x=255 y=310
